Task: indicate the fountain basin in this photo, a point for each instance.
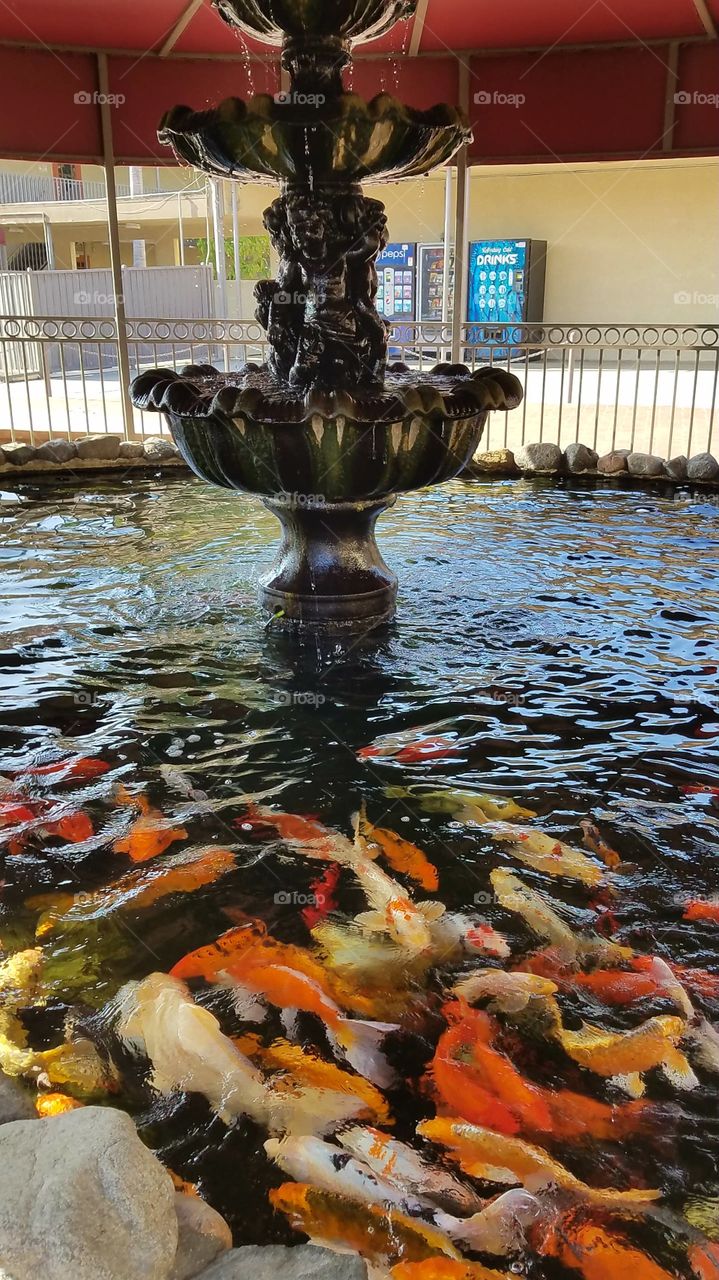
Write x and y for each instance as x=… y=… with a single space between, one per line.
x=327 y=463
x=345 y=138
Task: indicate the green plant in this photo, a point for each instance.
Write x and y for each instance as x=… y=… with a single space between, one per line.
x=254 y=256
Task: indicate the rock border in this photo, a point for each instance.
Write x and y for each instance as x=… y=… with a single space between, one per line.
x=87 y=453
x=579 y=461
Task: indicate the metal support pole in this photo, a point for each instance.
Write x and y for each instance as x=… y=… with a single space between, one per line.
x=460 y=254
x=49 y=243
x=460 y=226
x=108 y=154
x=236 y=239
x=446 y=306
x=181 y=229
x=218 y=230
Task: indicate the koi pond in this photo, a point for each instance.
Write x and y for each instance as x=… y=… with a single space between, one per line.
x=406 y=943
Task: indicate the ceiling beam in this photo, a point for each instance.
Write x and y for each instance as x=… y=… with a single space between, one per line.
x=418 y=28
x=183 y=21
x=705 y=18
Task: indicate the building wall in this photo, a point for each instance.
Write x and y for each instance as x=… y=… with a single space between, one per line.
x=625 y=242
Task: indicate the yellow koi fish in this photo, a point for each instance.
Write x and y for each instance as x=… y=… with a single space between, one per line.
x=539 y=914
x=624 y=1056
x=545 y=853
x=497 y=1157
x=464 y=806
x=508 y=992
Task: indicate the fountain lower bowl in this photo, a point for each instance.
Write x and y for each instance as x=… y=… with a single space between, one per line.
x=327 y=463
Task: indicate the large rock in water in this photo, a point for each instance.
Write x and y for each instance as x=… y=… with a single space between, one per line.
x=276 y=1262
x=15 y=1101
x=579 y=458
x=703 y=466
x=645 y=465
x=204 y=1235
x=81 y=1198
x=540 y=459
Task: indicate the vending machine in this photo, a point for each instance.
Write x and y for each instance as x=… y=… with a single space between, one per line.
x=396 y=273
x=430 y=281
x=505 y=288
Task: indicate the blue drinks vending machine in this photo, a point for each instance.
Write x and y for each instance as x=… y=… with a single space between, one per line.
x=396 y=285
x=506 y=288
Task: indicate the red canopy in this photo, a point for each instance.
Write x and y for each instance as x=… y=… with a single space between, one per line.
x=557 y=81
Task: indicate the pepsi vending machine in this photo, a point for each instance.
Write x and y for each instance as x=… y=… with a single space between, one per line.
x=396 y=274
x=506 y=287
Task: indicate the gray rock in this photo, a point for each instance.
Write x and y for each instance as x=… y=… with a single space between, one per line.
x=131 y=449
x=579 y=457
x=103 y=448
x=157 y=448
x=645 y=464
x=613 y=463
x=81 y=1198
x=703 y=466
x=15 y=1102
x=676 y=468
x=275 y=1262
x=57 y=451
x=498 y=462
x=19 y=454
x=204 y=1235
x=540 y=459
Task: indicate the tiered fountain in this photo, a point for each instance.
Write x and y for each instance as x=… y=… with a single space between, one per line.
x=326 y=432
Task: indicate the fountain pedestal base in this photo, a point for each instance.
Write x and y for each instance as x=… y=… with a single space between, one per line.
x=329 y=571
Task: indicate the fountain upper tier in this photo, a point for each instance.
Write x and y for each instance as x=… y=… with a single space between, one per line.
x=273 y=21
x=341 y=140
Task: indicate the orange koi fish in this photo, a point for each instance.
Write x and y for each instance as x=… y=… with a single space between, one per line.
x=445 y=1269
x=209 y=961
x=184 y=873
x=72 y=770
x=412 y=745
x=384 y=1237
x=74 y=827
x=55 y=1104
x=297 y=1065
x=150 y=835
x=297 y=989
x=324 y=893
x=483 y=1086
x=702 y=909
x=704 y=1261
x=15 y=812
x=700 y=791
x=592 y=840
x=496 y=1157
x=294 y=827
x=642 y=980
x=401 y=854
x=588 y=1248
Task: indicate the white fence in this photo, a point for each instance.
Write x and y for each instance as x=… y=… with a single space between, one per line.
x=646 y=387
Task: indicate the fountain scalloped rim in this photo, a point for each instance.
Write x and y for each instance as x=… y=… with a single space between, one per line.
x=381 y=140
x=271 y=20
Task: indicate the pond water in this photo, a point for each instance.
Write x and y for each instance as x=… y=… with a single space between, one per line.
x=567 y=640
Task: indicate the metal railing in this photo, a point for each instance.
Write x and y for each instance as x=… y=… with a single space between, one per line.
x=652 y=388
x=28 y=188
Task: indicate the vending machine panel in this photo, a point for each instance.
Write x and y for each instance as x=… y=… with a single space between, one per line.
x=505 y=288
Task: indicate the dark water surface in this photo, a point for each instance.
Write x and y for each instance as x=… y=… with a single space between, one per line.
x=571 y=636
